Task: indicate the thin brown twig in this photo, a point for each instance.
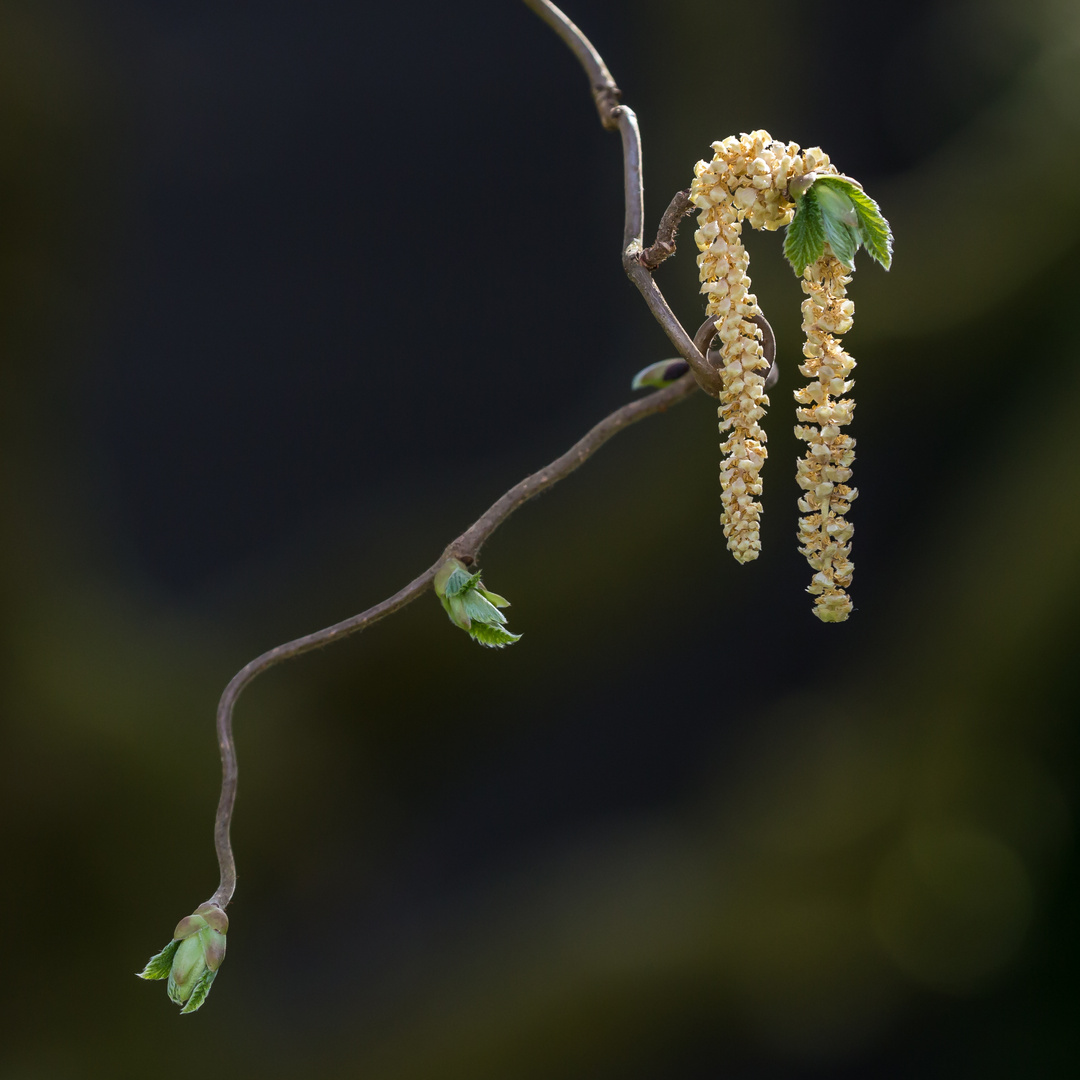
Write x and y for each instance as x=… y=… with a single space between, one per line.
x=634 y=190
x=466 y=548
x=606 y=93
x=663 y=247
x=637 y=263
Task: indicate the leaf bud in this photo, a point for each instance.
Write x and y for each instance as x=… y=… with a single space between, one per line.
x=191 y=960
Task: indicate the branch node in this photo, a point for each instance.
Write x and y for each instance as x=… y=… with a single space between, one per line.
x=664 y=245
x=607 y=95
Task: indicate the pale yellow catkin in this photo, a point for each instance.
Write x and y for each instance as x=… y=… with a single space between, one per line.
x=823 y=471
x=747 y=180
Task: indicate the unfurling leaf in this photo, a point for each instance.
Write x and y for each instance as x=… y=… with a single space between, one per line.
x=158 y=966
x=805 y=240
x=840 y=222
x=494 y=637
x=874 y=229
x=199 y=992
x=472 y=607
x=662 y=373
x=191 y=960
x=835 y=210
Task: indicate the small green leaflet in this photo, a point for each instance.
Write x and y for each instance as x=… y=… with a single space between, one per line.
x=805 y=240
x=459 y=582
x=201 y=989
x=494 y=637
x=478 y=609
x=835 y=210
x=159 y=965
x=662 y=373
x=840 y=222
x=877 y=237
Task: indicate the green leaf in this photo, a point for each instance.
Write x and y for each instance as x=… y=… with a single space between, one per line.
x=480 y=610
x=842 y=238
x=199 y=992
x=471 y=606
x=834 y=202
x=473 y=582
x=458 y=581
x=805 y=240
x=877 y=236
x=158 y=966
x=662 y=373
x=175 y=991
x=494 y=637
x=875 y=232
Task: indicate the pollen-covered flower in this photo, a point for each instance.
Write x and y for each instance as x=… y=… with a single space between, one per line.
x=825 y=468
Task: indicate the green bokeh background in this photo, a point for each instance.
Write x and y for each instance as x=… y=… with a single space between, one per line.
x=680 y=829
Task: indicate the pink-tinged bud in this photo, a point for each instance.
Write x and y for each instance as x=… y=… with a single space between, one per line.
x=213 y=947
x=215 y=918
x=191 y=960
x=188 y=925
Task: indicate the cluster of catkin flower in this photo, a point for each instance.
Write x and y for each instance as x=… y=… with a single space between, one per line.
x=824 y=469
x=747 y=180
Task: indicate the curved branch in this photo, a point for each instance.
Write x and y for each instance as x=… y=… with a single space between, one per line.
x=226 y=746
x=606 y=94
x=466 y=548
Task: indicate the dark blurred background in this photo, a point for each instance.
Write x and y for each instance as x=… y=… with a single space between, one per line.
x=291 y=292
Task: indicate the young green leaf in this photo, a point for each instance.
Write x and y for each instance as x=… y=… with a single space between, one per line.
x=874 y=230
x=805 y=240
x=158 y=966
x=198 y=994
x=494 y=637
x=470 y=606
x=480 y=610
x=473 y=582
x=841 y=237
x=191 y=960
x=662 y=373
x=458 y=582
x=877 y=236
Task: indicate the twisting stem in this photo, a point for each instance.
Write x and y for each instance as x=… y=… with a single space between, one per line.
x=466 y=547
x=606 y=98
x=605 y=93
x=297 y=647
x=633 y=181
